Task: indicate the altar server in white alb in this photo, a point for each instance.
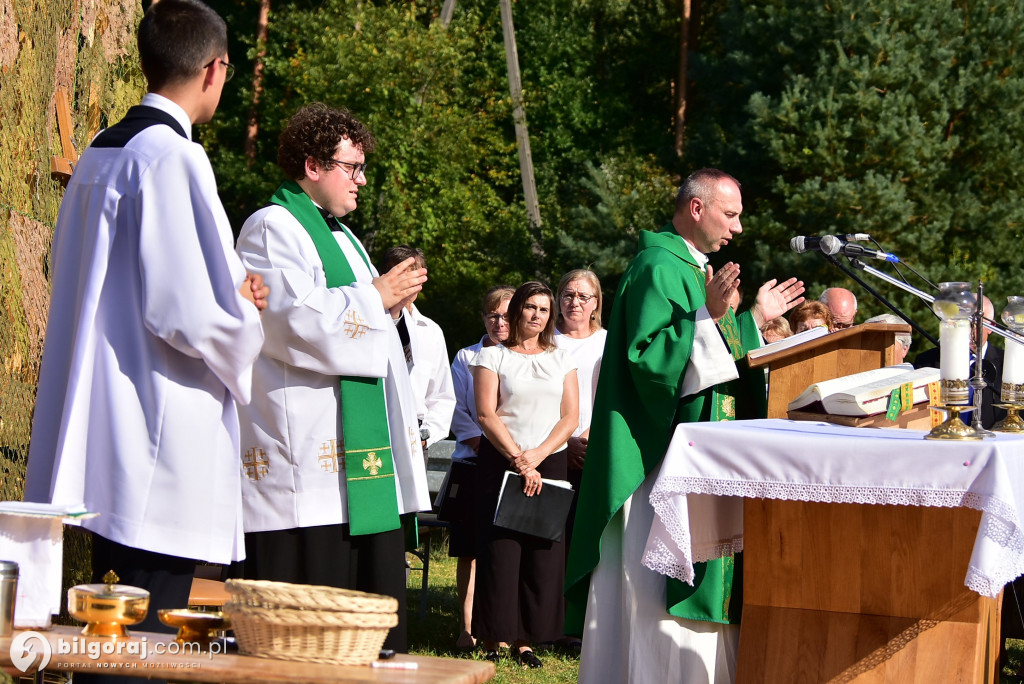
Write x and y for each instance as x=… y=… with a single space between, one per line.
x=427 y=356
x=330 y=445
x=152 y=331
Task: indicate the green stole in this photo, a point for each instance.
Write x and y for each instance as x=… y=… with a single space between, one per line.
x=716 y=593
x=369 y=465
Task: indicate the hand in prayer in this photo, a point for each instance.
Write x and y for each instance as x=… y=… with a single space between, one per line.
x=399 y=286
x=576 y=452
x=721 y=288
x=775 y=299
x=255 y=291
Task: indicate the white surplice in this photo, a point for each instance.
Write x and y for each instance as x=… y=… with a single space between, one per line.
x=292 y=442
x=148 y=346
x=431 y=377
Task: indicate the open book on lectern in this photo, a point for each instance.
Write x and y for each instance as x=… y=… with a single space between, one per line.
x=864 y=394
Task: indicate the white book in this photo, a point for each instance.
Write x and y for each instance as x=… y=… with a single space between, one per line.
x=867 y=393
x=787 y=342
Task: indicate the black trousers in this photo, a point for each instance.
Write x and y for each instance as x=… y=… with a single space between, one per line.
x=168 y=579
x=329 y=556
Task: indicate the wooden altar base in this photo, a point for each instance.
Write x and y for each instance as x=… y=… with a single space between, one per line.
x=862 y=593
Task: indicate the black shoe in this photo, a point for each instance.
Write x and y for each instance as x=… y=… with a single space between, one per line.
x=492 y=656
x=529 y=660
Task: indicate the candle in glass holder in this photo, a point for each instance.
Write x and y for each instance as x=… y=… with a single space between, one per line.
x=954 y=360
x=1012 y=391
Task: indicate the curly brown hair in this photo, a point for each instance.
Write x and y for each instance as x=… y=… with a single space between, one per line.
x=315 y=131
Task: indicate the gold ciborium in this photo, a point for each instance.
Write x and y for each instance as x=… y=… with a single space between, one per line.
x=194 y=626
x=107 y=608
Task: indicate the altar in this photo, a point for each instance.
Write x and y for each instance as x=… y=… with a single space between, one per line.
x=870 y=555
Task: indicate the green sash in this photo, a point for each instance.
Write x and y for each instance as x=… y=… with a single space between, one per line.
x=369 y=466
x=716 y=593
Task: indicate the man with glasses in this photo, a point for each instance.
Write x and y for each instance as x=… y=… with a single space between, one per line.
x=330 y=445
x=152 y=331
x=843 y=305
x=673 y=343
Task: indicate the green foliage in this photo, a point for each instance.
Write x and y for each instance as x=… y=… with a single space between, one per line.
x=886 y=117
x=445 y=176
x=632 y=194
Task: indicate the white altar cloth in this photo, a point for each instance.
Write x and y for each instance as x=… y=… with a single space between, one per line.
x=710 y=467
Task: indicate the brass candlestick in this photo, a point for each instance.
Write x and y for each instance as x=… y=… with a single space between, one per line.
x=953 y=427
x=1012 y=422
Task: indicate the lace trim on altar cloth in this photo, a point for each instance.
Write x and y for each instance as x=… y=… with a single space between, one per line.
x=999 y=523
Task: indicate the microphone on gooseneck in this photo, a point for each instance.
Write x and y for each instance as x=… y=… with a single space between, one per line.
x=829 y=244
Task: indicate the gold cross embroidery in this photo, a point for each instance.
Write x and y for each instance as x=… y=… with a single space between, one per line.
x=372 y=463
x=332 y=459
x=256 y=464
x=355 y=325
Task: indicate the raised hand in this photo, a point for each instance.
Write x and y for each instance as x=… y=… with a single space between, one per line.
x=775 y=298
x=720 y=288
x=401 y=284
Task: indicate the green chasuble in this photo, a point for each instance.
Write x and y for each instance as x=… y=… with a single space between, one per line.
x=650 y=340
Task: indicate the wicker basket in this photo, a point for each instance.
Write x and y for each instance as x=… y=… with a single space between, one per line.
x=309 y=623
x=265 y=594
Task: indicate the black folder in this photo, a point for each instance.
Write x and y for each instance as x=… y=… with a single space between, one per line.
x=541 y=515
x=454 y=500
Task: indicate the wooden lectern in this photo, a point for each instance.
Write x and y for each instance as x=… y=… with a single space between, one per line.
x=858 y=593
x=845 y=352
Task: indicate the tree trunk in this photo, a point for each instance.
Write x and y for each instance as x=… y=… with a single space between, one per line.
x=519 y=115
x=253 y=127
x=681 y=77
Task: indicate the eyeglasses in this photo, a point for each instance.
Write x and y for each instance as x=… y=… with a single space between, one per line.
x=227 y=65
x=837 y=325
x=357 y=169
x=584 y=298
x=495 y=318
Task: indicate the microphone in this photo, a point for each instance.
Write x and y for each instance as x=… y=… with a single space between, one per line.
x=837 y=244
x=829 y=244
x=849 y=250
x=801 y=244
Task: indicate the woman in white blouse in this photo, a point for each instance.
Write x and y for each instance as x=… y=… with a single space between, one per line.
x=579 y=332
x=527 y=401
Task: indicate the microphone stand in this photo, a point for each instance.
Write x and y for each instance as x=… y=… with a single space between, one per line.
x=857 y=263
x=988 y=324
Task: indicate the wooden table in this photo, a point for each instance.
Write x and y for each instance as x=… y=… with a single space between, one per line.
x=231 y=668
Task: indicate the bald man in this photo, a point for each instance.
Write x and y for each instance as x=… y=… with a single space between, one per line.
x=843 y=305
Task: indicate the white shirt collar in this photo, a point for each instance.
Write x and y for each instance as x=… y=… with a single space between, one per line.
x=700 y=257
x=171 y=107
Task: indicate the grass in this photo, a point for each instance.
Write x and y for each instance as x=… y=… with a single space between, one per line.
x=435 y=634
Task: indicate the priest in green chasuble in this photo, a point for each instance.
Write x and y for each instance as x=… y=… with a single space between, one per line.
x=672 y=356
